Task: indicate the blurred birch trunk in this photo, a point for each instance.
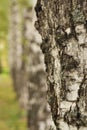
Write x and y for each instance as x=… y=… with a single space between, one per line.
x=63 y=27
x=15 y=48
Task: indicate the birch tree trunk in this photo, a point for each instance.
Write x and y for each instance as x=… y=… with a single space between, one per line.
x=63 y=27
x=15 y=49
x=17 y=53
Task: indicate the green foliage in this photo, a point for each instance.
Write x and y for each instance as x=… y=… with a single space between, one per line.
x=4 y=9
x=5 y=71
x=11 y=116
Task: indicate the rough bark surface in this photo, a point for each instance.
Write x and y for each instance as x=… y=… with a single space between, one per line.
x=63 y=27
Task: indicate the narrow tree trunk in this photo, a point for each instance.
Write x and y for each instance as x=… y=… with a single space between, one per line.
x=15 y=48
x=17 y=53
x=63 y=27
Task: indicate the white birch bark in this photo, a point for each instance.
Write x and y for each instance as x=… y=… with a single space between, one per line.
x=63 y=27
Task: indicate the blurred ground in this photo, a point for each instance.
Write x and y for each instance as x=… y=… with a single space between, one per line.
x=11 y=116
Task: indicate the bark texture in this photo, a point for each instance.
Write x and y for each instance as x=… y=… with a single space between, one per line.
x=63 y=27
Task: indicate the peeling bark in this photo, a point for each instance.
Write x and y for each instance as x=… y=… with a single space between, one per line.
x=63 y=27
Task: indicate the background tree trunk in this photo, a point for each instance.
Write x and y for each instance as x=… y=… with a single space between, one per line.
x=15 y=48
x=63 y=27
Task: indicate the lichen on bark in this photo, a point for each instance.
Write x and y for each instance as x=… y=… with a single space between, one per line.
x=63 y=27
